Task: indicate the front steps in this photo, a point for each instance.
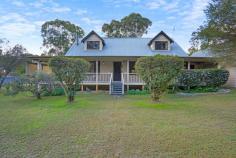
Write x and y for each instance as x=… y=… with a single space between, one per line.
x=116 y=88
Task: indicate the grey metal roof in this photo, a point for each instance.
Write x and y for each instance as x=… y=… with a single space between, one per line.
x=202 y=54
x=124 y=47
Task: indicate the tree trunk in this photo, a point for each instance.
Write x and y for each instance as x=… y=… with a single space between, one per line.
x=70 y=98
x=155 y=96
x=38 y=95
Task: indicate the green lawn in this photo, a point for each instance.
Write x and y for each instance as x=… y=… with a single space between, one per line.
x=99 y=125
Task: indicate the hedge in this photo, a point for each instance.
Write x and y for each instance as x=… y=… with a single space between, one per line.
x=202 y=78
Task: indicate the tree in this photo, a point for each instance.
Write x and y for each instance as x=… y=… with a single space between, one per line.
x=158 y=72
x=218 y=33
x=133 y=25
x=59 y=35
x=70 y=72
x=10 y=58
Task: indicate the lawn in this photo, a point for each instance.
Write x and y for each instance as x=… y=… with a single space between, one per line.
x=100 y=125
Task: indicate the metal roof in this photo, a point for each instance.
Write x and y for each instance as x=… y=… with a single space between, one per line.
x=124 y=47
x=202 y=54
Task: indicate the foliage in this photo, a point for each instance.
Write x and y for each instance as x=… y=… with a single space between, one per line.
x=137 y=92
x=158 y=72
x=218 y=33
x=37 y=84
x=189 y=78
x=57 y=91
x=133 y=25
x=10 y=59
x=70 y=72
x=203 y=89
x=58 y=35
x=202 y=78
x=13 y=87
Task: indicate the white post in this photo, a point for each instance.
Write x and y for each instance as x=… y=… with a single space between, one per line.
x=96 y=75
x=127 y=75
x=189 y=65
x=39 y=66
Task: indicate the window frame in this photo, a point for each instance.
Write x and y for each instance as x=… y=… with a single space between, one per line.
x=166 y=47
x=93 y=48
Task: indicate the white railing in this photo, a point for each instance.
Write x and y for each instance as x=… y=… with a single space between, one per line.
x=132 y=78
x=111 y=78
x=97 y=78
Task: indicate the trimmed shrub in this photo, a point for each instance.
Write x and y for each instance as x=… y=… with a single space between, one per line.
x=158 y=72
x=189 y=78
x=137 y=92
x=202 y=78
x=215 y=77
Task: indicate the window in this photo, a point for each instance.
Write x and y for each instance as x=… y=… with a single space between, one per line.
x=161 y=45
x=93 y=44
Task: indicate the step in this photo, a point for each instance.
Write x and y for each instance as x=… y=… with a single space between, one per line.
x=116 y=93
x=116 y=88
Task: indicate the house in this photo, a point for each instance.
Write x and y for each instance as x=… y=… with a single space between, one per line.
x=113 y=60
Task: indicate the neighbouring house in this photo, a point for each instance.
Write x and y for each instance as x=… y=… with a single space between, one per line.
x=113 y=60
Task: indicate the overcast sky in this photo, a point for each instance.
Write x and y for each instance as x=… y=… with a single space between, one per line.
x=21 y=20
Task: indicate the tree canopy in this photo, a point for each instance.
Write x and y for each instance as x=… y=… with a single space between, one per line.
x=70 y=72
x=218 y=33
x=158 y=72
x=133 y=25
x=58 y=36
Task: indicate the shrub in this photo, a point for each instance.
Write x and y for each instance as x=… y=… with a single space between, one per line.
x=202 y=78
x=137 y=92
x=204 y=89
x=189 y=78
x=158 y=72
x=215 y=77
x=58 y=91
x=38 y=84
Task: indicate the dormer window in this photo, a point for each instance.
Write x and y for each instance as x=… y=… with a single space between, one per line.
x=161 y=45
x=93 y=41
x=160 y=42
x=93 y=45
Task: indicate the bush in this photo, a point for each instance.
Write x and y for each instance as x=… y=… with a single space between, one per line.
x=202 y=78
x=38 y=84
x=137 y=92
x=58 y=91
x=215 y=77
x=204 y=89
x=158 y=72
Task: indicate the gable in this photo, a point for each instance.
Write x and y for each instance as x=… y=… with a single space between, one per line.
x=160 y=36
x=93 y=35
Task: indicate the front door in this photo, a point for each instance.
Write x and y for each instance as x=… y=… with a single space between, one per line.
x=117 y=71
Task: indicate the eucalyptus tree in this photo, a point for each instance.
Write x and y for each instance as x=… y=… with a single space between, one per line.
x=133 y=25
x=58 y=36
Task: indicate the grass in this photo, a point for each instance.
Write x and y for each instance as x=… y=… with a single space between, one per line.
x=99 y=125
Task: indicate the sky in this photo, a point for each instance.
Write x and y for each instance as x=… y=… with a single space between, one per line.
x=21 y=20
